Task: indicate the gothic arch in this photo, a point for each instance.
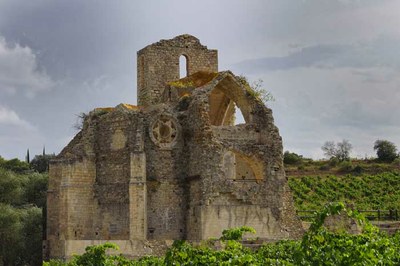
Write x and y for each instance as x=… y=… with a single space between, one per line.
x=222 y=101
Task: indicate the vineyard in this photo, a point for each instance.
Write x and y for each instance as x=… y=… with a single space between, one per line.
x=361 y=192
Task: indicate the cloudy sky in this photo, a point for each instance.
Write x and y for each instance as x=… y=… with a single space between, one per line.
x=332 y=65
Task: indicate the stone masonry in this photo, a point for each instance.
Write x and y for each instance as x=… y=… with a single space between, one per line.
x=174 y=167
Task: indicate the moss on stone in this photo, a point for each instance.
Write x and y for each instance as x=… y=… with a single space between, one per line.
x=195 y=80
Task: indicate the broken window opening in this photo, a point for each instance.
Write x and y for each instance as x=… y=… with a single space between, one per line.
x=223 y=110
x=238 y=116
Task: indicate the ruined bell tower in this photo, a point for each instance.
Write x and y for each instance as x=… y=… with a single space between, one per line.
x=158 y=64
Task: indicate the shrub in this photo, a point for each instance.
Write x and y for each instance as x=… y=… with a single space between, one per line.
x=236 y=233
x=301 y=167
x=358 y=169
x=385 y=150
x=292 y=158
x=345 y=166
x=324 y=167
x=333 y=161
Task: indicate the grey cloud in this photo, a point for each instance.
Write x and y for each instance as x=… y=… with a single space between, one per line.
x=19 y=70
x=305 y=57
x=381 y=52
x=10 y=117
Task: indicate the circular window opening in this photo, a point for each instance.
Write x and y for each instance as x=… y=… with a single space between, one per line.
x=164 y=131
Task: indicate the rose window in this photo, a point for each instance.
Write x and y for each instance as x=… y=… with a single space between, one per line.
x=164 y=131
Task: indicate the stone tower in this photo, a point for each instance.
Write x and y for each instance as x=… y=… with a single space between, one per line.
x=158 y=64
x=174 y=167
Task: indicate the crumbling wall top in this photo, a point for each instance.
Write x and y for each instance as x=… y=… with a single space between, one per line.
x=181 y=41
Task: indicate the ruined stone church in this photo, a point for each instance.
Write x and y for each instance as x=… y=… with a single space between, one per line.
x=174 y=167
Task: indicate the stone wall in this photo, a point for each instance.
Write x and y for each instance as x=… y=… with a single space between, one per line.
x=158 y=64
x=166 y=176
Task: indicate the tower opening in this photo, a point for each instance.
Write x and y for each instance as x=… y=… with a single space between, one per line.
x=183 y=66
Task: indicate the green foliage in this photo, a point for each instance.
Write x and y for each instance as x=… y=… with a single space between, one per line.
x=385 y=150
x=17 y=190
x=292 y=158
x=10 y=227
x=21 y=235
x=232 y=253
x=236 y=233
x=14 y=165
x=22 y=197
x=10 y=187
x=31 y=235
x=256 y=89
x=364 y=192
x=345 y=166
x=35 y=189
x=319 y=246
x=333 y=161
x=41 y=162
x=96 y=256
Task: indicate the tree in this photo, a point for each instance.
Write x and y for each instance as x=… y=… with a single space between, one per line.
x=41 y=162
x=14 y=165
x=27 y=158
x=10 y=187
x=31 y=234
x=10 y=237
x=292 y=158
x=340 y=151
x=35 y=189
x=385 y=150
